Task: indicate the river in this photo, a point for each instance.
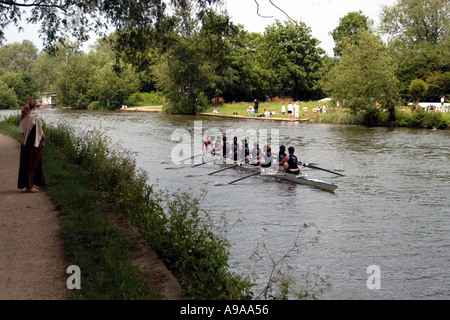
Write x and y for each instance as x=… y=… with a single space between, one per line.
x=383 y=234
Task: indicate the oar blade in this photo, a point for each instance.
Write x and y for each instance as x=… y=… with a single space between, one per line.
x=326 y=170
x=250 y=175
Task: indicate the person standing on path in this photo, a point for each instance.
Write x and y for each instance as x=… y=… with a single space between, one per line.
x=31 y=171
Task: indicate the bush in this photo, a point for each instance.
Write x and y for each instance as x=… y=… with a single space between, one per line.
x=192 y=104
x=98 y=105
x=8 y=98
x=145 y=99
x=421 y=119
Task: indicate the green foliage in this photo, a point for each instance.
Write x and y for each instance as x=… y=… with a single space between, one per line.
x=182 y=235
x=8 y=98
x=146 y=99
x=17 y=57
x=364 y=76
x=419 y=38
x=422 y=119
x=73 y=83
x=293 y=59
x=347 y=30
x=21 y=83
x=417 y=20
x=192 y=104
x=97 y=105
x=112 y=83
x=418 y=87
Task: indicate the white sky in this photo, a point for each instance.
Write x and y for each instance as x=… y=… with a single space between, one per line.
x=322 y=16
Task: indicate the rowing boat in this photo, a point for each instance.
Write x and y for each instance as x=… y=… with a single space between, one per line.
x=269 y=172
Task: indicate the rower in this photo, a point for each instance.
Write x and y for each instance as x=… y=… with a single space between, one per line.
x=290 y=162
x=255 y=154
x=217 y=144
x=226 y=149
x=267 y=157
x=235 y=149
x=244 y=152
x=281 y=156
x=207 y=145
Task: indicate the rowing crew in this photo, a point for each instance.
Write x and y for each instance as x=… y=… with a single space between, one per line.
x=287 y=163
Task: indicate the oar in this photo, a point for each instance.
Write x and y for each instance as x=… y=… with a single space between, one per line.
x=197 y=165
x=192 y=157
x=210 y=174
x=318 y=168
x=250 y=175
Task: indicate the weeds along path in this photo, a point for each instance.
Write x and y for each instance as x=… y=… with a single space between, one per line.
x=32 y=263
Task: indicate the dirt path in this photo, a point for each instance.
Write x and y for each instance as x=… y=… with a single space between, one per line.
x=31 y=248
x=32 y=265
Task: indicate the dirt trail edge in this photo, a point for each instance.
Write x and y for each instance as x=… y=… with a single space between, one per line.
x=32 y=265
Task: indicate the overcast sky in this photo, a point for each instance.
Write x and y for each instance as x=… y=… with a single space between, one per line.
x=322 y=16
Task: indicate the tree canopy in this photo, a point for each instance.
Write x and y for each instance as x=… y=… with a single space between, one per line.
x=365 y=75
x=60 y=18
x=347 y=30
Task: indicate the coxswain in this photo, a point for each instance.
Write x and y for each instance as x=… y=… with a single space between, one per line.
x=208 y=145
x=290 y=162
x=267 y=157
x=281 y=156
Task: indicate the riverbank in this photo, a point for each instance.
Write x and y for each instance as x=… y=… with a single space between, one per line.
x=44 y=233
x=309 y=114
x=97 y=184
x=255 y=117
x=143 y=109
x=32 y=265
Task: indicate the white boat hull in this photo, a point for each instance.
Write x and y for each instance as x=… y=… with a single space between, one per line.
x=268 y=172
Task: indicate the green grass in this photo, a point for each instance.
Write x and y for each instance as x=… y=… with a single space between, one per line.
x=241 y=108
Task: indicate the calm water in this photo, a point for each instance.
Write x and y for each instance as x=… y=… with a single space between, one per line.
x=391 y=209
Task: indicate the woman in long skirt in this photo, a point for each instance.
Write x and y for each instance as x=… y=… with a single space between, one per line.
x=31 y=172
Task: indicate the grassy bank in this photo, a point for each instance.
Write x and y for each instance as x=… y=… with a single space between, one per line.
x=92 y=242
x=404 y=118
x=241 y=108
x=98 y=179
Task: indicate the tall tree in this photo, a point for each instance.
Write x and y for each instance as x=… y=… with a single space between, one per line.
x=186 y=65
x=419 y=39
x=365 y=75
x=347 y=30
x=414 y=21
x=293 y=57
x=18 y=57
x=73 y=82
